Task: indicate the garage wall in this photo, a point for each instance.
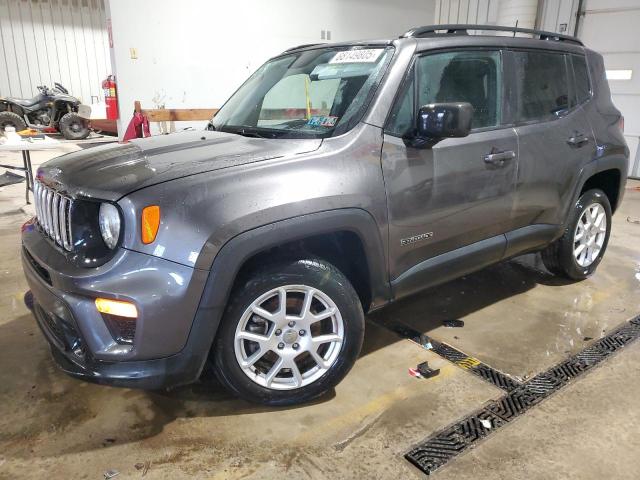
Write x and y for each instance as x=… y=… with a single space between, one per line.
x=484 y=12
x=195 y=53
x=611 y=28
x=487 y=12
x=558 y=16
x=47 y=41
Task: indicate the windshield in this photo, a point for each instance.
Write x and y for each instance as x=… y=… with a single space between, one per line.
x=312 y=94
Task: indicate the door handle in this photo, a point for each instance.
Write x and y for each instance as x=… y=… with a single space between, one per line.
x=578 y=140
x=498 y=158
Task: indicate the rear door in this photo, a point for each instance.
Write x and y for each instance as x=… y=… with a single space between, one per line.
x=455 y=193
x=555 y=137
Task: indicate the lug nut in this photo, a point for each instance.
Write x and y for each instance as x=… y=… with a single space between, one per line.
x=295 y=346
x=278 y=332
x=292 y=323
x=302 y=333
x=281 y=345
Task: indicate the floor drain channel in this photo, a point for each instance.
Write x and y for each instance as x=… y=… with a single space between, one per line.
x=437 y=450
x=452 y=354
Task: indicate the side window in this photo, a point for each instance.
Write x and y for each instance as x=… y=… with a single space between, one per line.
x=583 y=88
x=543 y=85
x=402 y=118
x=473 y=77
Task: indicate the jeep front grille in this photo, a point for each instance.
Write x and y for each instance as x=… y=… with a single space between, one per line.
x=53 y=212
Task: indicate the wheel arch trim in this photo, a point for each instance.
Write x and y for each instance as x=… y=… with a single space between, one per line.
x=593 y=168
x=236 y=251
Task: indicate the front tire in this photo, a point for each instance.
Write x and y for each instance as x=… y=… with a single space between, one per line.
x=290 y=333
x=10 y=119
x=577 y=254
x=73 y=127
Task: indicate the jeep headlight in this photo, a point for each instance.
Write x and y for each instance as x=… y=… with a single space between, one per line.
x=109 y=220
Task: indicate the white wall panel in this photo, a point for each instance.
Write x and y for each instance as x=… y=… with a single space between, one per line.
x=47 y=41
x=195 y=53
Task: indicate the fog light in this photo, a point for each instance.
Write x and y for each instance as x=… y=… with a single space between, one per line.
x=116 y=307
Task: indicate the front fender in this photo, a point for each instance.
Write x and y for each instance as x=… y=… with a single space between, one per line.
x=238 y=250
x=201 y=213
x=9 y=106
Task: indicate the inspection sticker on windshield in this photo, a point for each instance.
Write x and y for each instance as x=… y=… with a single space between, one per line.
x=368 y=55
x=320 y=121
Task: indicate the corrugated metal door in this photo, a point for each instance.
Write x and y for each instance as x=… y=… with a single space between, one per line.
x=47 y=41
x=487 y=12
x=482 y=12
x=611 y=28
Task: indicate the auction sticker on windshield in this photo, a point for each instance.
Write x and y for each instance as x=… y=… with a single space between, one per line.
x=320 y=121
x=368 y=55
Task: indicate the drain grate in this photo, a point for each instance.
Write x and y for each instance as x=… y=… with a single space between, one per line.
x=452 y=354
x=437 y=450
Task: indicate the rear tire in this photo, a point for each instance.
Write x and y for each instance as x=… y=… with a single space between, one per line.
x=291 y=357
x=577 y=254
x=73 y=127
x=10 y=119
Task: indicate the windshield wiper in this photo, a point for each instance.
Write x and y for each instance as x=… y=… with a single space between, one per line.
x=248 y=133
x=239 y=130
x=270 y=133
x=253 y=132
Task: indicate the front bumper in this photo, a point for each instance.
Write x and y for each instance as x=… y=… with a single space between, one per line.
x=172 y=338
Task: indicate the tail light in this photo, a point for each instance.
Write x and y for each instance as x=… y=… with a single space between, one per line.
x=621 y=123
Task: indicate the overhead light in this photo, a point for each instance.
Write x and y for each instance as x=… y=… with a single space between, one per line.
x=619 y=74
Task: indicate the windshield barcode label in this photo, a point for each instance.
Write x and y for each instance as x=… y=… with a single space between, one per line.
x=369 y=55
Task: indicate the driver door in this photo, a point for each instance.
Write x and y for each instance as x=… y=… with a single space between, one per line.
x=455 y=198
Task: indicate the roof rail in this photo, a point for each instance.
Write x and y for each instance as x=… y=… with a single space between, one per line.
x=463 y=29
x=304 y=45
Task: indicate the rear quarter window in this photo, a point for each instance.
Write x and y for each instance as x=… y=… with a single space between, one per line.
x=542 y=85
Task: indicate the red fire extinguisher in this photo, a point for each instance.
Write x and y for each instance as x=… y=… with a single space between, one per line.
x=110 y=97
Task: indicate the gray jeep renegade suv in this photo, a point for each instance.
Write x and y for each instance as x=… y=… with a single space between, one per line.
x=337 y=179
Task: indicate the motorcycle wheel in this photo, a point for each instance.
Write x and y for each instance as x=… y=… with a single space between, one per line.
x=73 y=127
x=10 y=119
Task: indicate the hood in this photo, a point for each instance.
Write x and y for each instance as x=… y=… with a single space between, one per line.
x=111 y=171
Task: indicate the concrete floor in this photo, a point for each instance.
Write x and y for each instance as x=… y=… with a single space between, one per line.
x=518 y=319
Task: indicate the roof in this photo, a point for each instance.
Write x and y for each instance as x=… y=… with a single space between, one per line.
x=463 y=29
x=434 y=36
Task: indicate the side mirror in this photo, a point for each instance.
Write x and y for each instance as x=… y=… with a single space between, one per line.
x=442 y=120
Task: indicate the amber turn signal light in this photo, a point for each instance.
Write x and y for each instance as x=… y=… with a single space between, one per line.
x=150 y=223
x=116 y=307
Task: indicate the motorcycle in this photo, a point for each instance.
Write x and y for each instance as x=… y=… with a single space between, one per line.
x=53 y=109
